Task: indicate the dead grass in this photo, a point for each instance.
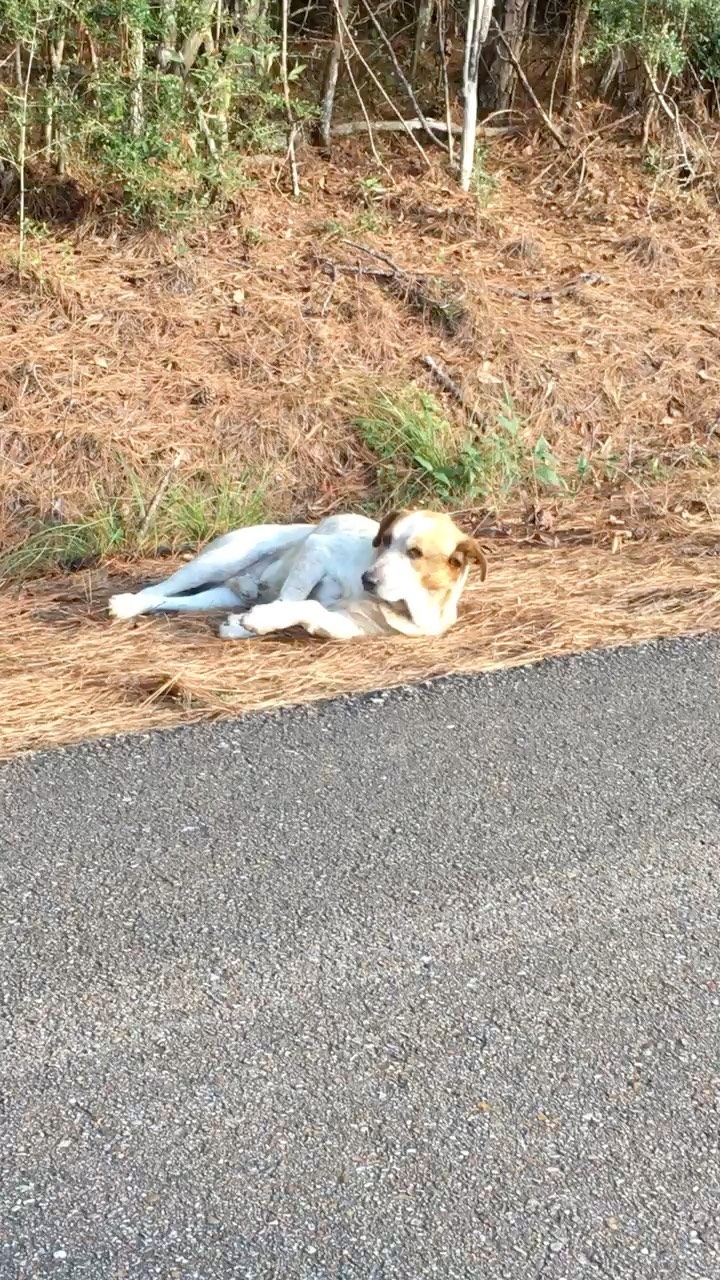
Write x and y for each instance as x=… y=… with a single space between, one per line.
x=237 y=348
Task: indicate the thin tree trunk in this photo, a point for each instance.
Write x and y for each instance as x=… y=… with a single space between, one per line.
x=478 y=24
x=292 y=127
x=611 y=72
x=422 y=30
x=53 y=132
x=168 y=34
x=499 y=89
x=194 y=43
x=442 y=50
x=223 y=93
x=579 y=20
x=330 y=78
x=206 y=132
x=257 y=11
x=136 y=60
x=22 y=146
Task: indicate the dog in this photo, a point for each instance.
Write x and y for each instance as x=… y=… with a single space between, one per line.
x=346 y=577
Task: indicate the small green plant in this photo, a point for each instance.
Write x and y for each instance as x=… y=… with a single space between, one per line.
x=65 y=545
x=422 y=457
x=368 y=220
x=371 y=190
x=658 y=162
x=416 y=447
x=545 y=466
x=330 y=228
x=484 y=184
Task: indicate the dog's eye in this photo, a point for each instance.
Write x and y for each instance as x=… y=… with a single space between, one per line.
x=414 y=553
x=387 y=540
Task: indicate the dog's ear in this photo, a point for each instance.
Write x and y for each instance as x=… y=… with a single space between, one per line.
x=468 y=551
x=385 y=524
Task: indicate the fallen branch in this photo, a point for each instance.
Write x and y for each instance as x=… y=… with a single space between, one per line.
x=344 y=268
x=551 y=291
x=352 y=127
x=375 y=253
x=423 y=291
x=554 y=133
x=448 y=384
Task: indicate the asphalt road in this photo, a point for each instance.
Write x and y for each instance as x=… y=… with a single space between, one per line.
x=424 y=984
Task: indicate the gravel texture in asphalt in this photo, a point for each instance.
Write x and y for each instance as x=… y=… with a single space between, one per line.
x=422 y=984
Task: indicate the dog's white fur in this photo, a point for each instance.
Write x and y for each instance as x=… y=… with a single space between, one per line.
x=347 y=576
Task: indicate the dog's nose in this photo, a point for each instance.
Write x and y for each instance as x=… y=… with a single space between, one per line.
x=369 y=582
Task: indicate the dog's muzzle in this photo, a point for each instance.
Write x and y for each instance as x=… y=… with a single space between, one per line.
x=369 y=582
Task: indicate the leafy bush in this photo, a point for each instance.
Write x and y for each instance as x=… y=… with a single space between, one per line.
x=152 y=103
x=669 y=35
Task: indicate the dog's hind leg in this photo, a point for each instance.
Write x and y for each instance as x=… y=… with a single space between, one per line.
x=125 y=606
x=307 y=572
x=232 y=554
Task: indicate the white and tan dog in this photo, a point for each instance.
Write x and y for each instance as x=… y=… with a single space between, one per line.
x=345 y=577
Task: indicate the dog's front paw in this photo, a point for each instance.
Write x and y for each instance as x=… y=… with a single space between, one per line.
x=232 y=628
x=124 y=606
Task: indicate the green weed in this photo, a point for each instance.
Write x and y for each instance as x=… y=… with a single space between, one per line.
x=191 y=513
x=484 y=184
x=195 y=511
x=65 y=546
x=422 y=457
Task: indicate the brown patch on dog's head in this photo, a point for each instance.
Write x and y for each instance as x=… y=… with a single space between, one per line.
x=386 y=525
x=421 y=550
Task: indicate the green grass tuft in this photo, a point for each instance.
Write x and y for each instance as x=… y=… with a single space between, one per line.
x=191 y=513
x=422 y=457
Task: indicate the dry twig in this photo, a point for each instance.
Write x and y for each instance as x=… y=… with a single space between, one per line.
x=160 y=494
x=448 y=384
x=551 y=291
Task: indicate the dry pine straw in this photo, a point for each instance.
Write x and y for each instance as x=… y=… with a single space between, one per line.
x=243 y=353
x=69 y=673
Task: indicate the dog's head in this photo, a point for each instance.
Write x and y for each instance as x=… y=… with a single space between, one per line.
x=421 y=552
